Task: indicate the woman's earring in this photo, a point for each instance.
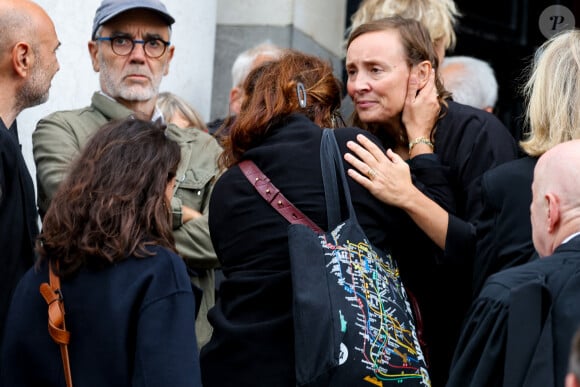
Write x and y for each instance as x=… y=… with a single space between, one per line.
x=301 y=92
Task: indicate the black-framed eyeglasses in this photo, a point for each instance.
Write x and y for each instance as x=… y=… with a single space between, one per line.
x=123 y=46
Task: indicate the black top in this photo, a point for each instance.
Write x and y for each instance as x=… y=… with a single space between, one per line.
x=480 y=358
x=504 y=230
x=252 y=343
x=131 y=324
x=468 y=142
x=18 y=217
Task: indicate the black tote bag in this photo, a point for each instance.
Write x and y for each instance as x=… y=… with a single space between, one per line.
x=353 y=323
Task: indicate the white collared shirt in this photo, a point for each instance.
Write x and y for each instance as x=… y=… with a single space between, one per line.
x=568 y=239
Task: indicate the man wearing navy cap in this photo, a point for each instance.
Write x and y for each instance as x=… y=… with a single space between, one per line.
x=131 y=50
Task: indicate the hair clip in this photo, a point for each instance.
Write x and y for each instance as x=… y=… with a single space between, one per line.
x=301 y=92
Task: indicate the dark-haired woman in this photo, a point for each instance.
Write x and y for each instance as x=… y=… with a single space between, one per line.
x=129 y=304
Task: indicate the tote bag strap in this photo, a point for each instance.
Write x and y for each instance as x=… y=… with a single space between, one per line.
x=331 y=162
x=56 y=326
x=274 y=197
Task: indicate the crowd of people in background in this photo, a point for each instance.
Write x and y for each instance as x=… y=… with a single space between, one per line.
x=175 y=272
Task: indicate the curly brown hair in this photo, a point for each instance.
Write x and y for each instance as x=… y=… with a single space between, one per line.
x=112 y=204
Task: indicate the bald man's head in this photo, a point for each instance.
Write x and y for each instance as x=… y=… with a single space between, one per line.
x=559 y=170
x=555 y=209
x=27 y=56
x=19 y=20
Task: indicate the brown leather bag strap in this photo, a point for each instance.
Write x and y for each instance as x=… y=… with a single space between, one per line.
x=56 y=326
x=273 y=196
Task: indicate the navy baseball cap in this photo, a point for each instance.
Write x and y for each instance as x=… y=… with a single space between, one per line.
x=111 y=8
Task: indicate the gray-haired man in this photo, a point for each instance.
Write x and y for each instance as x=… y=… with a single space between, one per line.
x=130 y=49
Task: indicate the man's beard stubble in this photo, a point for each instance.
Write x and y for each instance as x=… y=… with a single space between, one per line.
x=116 y=89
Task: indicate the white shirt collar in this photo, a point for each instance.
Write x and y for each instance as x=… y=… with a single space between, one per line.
x=568 y=239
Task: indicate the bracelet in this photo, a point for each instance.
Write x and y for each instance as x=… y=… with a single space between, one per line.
x=420 y=140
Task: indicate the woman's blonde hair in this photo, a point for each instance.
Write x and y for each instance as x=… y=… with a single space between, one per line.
x=170 y=103
x=438 y=16
x=553 y=94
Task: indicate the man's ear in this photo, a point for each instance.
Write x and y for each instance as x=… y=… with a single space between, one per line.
x=94 y=51
x=236 y=96
x=423 y=71
x=22 y=59
x=553 y=204
x=170 y=52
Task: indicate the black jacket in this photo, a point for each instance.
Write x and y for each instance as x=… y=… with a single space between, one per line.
x=481 y=356
x=504 y=230
x=131 y=324
x=253 y=330
x=468 y=142
x=18 y=217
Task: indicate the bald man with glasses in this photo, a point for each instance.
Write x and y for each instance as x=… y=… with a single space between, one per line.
x=131 y=49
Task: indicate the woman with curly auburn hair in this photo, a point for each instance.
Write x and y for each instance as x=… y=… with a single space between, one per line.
x=279 y=128
x=129 y=304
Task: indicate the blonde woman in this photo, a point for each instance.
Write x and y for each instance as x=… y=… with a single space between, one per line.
x=177 y=111
x=552 y=91
x=438 y=17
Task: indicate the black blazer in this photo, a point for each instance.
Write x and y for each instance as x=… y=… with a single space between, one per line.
x=504 y=230
x=252 y=320
x=481 y=358
x=18 y=217
x=469 y=142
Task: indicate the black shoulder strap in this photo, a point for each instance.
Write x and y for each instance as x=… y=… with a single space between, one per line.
x=333 y=177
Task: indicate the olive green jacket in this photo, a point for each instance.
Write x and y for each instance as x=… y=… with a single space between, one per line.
x=58 y=139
